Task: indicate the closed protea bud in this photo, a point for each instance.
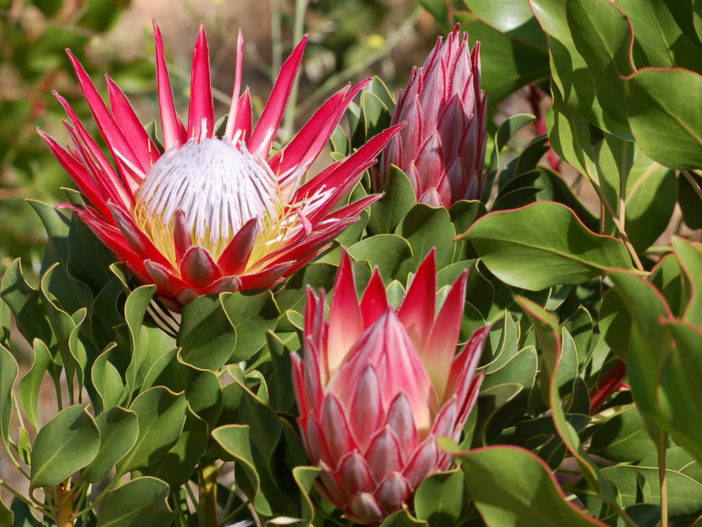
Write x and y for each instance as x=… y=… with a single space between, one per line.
x=378 y=386
x=442 y=148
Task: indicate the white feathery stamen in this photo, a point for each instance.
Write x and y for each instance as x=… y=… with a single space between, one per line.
x=219 y=185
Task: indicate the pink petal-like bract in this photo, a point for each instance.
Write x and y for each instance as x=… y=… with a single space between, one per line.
x=442 y=148
x=378 y=386
x=215 y=208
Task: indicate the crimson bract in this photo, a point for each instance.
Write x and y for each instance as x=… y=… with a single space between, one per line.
x=377 y=387
x=207 y=213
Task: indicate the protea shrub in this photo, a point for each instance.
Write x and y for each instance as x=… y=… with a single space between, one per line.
x=377 y=386
x=442 y=148
x=211 y=210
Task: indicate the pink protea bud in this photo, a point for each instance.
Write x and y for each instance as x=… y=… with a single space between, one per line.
x=442 y=148
x=378 y=386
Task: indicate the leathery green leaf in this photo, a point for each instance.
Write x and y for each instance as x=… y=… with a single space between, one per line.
x=512 y=486
x=63 y=446
x=8 y=374
x=665 y=113
x=140 y=502
x=29 y=386
x=543 y=244
x=119 y=429
x=161 y=415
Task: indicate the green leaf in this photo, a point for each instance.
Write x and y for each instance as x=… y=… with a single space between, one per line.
x=48 y=7
x=142 y=501
x=8 y=374
x=25 y=303
x=508 y=60
x=305 y=477
x=573 y=87
x=234 y=439
x=397 y=201
x=680 y=392
x=464 y=213
x=543 y=244
x=402 y=518
x=645 y=306
x=650 y=200
x=386 y=251
x=688 y=198
x=602 y=35
x=30 y=385
x=7 y=517
x=623 y=438
x=93 y=271
x=554 y=355
x=119 y=429
x=134 y=310
x=251 y=315
x=316 y=275
x=439 y=11
x=511 y=125
x=440 y=498
x=555 y=188
x=207 y=335
x=178 y=464
x=665 y=113
x=426 y=227
x=657 y=29
x=106 y=378
x=513 y=487
x=67 y=443
x=161 y=415
x=509 y=16
x=690 y=259
x=569 y=133
x=202 y=387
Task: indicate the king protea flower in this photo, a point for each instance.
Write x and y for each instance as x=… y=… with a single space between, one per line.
x=442 y=148
x=209 y=213
x=377 y=387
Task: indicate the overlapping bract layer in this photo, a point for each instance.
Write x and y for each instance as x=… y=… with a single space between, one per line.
x=442 y=148
x=207 y=213
x=377 y=387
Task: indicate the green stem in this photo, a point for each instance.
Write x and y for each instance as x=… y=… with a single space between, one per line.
x=619 y=226
x=34 y=505
x=359 y=66
x=298 y=31
x=276 y=38
x=663 y=479
x=207 y=510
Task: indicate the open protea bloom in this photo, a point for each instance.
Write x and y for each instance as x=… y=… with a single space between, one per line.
x=211 y=212
x=378 y=386
x=442 y=148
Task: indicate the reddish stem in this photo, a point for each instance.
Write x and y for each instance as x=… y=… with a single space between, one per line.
x=534 y=96
x=610 y=383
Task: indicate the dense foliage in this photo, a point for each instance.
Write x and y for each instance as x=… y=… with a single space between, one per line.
x=590 y=405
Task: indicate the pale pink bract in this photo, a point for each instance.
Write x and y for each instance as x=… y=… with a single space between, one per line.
x=377 y=386
x=209 y=213
x=442 y=148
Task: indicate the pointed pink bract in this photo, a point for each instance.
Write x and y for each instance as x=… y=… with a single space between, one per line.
x=397 y=387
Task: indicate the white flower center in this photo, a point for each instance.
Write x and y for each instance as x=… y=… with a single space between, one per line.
x=217 y=184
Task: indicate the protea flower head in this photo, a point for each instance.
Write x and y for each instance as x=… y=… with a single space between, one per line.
x=377 y=387
x=208 y=211
x=442 y=148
